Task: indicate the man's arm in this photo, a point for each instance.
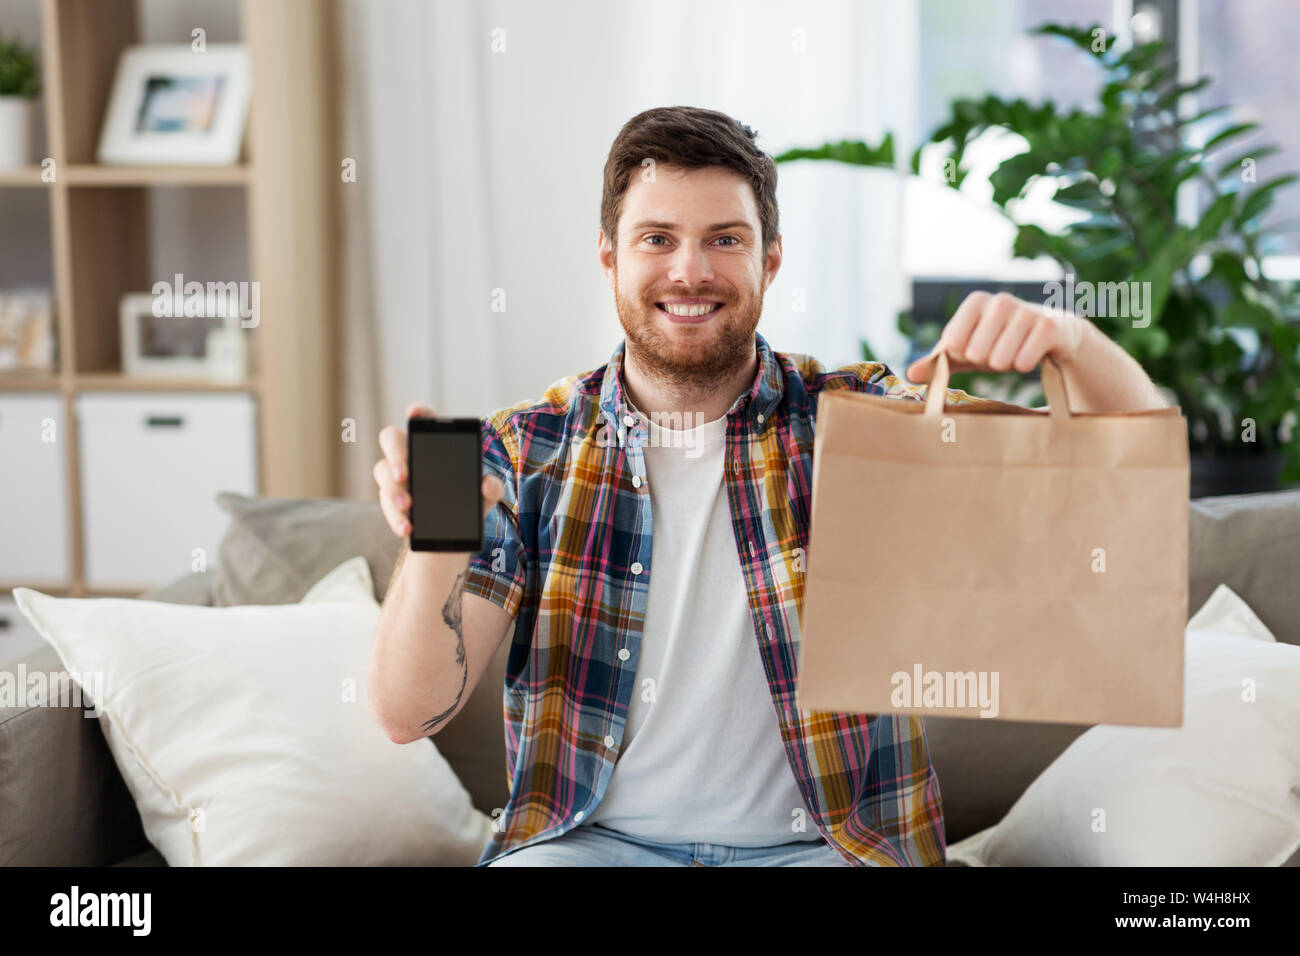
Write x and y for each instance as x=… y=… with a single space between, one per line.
x=433 y=641
x=1101 y=377
x=432 y=644
x=1000 y=333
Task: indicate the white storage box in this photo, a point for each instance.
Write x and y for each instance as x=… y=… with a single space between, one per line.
x=17 y=636
x=34 y=547
x=151 y=466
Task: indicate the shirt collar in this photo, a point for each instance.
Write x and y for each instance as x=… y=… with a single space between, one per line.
x=757 y=404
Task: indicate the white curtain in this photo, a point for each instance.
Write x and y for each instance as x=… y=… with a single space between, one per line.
x=480 y=130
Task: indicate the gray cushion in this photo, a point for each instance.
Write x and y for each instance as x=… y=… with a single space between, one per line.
x=194 y=589
x=1251 y=543
x=984 y=766
x=62 y=800
x=275 y=549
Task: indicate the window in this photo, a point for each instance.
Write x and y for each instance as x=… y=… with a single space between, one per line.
x=1249 y=50
x=969 y=50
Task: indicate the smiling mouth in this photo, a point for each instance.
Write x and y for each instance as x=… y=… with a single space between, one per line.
x=690 y=313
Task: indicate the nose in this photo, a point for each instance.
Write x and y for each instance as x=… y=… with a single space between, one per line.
x=690 y=265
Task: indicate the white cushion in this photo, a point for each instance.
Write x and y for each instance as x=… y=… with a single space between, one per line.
x=1222 y=790
x=245 y=734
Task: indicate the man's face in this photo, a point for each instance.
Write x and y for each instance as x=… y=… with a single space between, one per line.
x=689 y=240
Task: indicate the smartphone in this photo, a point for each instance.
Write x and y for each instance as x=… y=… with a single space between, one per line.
x=444 y=461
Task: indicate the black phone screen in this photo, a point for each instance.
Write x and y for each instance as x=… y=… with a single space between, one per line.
x=445 y=476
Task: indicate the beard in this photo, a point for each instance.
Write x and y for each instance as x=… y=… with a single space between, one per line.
x=697 y=356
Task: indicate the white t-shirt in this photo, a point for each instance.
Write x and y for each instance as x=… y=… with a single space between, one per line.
x=701 y=758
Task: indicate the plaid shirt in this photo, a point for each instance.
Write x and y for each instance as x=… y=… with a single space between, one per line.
x=569 y=554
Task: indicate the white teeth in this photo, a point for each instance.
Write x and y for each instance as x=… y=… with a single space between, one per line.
x=689 y=310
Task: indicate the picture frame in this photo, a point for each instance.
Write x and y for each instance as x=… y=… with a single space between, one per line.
x=27 y=331
x=172 y=105
x=210 y=347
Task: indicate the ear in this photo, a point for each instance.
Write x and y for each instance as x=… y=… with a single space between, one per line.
x=772 y=263
x=605 y=253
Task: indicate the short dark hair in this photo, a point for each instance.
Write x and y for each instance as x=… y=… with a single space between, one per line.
x=691 y=138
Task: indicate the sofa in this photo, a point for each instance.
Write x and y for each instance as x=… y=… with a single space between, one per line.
x=63 y=802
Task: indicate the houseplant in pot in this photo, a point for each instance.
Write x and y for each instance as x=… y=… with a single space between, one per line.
x=1222 y=336
x=20 y=84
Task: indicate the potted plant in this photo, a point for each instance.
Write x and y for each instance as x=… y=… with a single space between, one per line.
x=20 y=84
x=1222 y=337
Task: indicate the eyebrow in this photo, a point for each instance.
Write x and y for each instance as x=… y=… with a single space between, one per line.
x=656 y=224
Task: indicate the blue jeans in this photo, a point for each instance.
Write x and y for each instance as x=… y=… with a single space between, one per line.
x=595 y=845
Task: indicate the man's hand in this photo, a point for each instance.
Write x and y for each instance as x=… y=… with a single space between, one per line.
x=392 y=473
x=1000 y=333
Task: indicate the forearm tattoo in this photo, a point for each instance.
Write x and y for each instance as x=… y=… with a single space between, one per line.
x=451 y=615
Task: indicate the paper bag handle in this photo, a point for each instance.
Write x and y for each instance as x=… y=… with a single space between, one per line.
x=1053 y=388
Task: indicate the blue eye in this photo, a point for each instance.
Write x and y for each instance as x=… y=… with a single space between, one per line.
x=735 y=239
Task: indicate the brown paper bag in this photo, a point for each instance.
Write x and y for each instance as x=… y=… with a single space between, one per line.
x=996 y=561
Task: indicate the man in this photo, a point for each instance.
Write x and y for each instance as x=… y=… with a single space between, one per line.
x=641 y=524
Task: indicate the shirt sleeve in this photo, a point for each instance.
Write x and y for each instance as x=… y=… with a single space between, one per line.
x=896 y=386
x=497 y=572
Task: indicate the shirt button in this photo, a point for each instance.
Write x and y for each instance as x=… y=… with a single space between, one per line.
x=609 y=741
x=577 y=817
x=759 y=419
x=637 y=567
x=624 y=653
x=636 y=481
x=629 y=421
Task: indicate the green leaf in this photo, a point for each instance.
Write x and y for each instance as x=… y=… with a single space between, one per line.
x=1203 y=115
x=1168 y=258
x=1262 y=197
x=854 y=152
x=1180 y=90
x=1030 y=242
x=1112 y=97
x=19 y=73
x=1229 y=269
x=1082 y=37
x=1013 y=175
x=1097 y=251
x=1227 y=353
x=1215 y=217
x=1110 y=162
x=1233 y=166
x=967 y=111
x=1155 y=342
x=1286 y=339
x=1248 y=315
x=1230 y=132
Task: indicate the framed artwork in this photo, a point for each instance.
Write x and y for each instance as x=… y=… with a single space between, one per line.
x=210 y=346
x=171 y=105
